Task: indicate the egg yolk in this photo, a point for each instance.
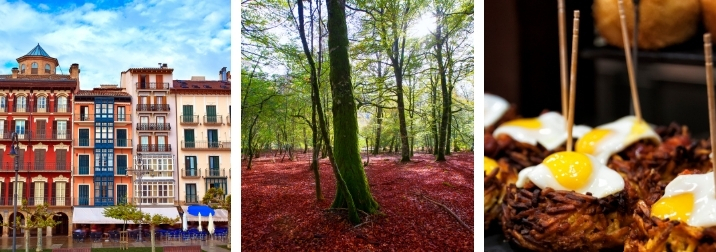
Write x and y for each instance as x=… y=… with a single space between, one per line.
x=588 y=142
x=490 y=165
x=676 y=207
x=531 y=123
x=571 y=169
x=639 y=128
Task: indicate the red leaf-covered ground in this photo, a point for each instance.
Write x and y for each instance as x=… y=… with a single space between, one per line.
x=279 y=211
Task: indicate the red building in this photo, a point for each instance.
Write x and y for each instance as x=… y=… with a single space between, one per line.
x=36 y=103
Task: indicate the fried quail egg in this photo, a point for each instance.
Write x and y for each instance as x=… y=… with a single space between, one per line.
x=548 y=130
x=608 y=139
x=573 y=171
x=689 y=198
x=495 y=108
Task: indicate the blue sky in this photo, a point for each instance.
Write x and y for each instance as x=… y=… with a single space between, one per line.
x=108 y=37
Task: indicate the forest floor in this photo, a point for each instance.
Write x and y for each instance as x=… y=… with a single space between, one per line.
x=279 y=210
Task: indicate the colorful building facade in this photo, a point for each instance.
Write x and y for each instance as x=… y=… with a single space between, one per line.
x=36 y=104
x=204 y=132
x=155 y=135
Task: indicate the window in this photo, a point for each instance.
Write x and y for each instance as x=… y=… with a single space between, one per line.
x=84 y=195
x=191 y=193
x=84 y=113
x=39 y=193
x=20 y=127
x=122 y=140
x=121 y=164
x=216 y=183
x=34 y=68
x=21 y=104
x=103 y=191
x=189 y=138
x=47 y=68
x=144 y=145
x=190 y=166
x=214 y=166
x=40 y=160
x=84 y=164
x=60 y=193
x=61 y=160
x=62 y=104
x=103 y=160
x=188 y=114
x=211 y=114
x=2 y=128
x=162 y=164
x=121 y=116
x=121 y=194
x=155 y=192
x=213 y=137
x=22 y=68
x=104 y=133
x=84 y=137
x=161 y=143
x=20 y=191
x=41 y=104
x=62 y=132
x=3 y=103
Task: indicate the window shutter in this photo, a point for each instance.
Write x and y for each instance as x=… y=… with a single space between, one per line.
x=47 y=192
x=68 y=202
x=24 y=191
x=31 y=199
x=53 y=194
x=3 y=197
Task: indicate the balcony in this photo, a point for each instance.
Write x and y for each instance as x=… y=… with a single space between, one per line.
x=34 y=201
x=21 y=109
x=62 y=109
x=9 y=166
x=191 y=199
x=123 y=143
x=154 y=147
x=84 y=118
x=215 y=173
x=228 y=119
x=83 y=143
x=212 y=120
x=119 y=118
x=190 y=173
x=153 y=107
x=152 y=85
x=55 y=135
x=189 y=119
x=205 y=145
x=89 y=171
x=154 y=126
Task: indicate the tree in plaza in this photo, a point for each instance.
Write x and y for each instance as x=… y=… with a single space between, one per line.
x=129 y=211
x=40 y=217
x=216 y=199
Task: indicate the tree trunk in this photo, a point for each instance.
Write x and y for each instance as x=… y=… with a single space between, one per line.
x=27 y=238
x=39 y=240
x=379 y=121
x=398 y=70
x=443 y=87
x=345 y=121
x=449 y=130
x=228 y=233
x=390 y=147
x=151 y=235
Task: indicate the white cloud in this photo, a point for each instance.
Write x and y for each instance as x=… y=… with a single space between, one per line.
x=43 y=7
x=193 y=37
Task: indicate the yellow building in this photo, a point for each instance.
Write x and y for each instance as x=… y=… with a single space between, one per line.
x=203 y=135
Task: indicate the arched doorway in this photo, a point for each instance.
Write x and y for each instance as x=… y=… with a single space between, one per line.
x=63 y=227
x=11 y=219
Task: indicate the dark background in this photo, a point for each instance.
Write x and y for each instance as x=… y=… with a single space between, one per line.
x=522 y=66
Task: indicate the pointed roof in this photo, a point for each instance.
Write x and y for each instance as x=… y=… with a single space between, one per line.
x=37 y=51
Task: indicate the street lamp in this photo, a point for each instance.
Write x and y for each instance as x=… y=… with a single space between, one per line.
x=140 y=173
x=13 y=154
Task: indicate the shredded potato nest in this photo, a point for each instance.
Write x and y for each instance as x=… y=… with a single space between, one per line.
x=495 y=188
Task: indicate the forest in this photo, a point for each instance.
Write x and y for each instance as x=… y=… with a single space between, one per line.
x=357 y=124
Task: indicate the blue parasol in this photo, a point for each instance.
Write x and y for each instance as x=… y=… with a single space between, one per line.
x=204 y=210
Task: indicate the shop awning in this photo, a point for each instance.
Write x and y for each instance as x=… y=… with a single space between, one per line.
x=221 y=215
x=93 y=215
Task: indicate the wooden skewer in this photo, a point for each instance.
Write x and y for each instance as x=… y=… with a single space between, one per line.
x=630 y=67
x=563 y=56
x=573 y=79
x=710 y=93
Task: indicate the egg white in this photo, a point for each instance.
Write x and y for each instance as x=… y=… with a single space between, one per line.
x=495 y=108
x=551 y=135
x=702 y=187
x=618 y=140
x=602 y=182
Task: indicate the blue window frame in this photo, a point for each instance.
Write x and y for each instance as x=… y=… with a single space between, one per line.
x=84 y=164
x=84 y=195
x=103 y=191
x=121 y=194
x=121 y=165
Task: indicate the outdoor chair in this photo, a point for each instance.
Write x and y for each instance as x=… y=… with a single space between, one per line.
x=78 y=237
x=96 y=237
x=186 y=236
x=114 y=237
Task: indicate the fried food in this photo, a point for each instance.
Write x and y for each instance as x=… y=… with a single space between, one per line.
x=495 y=188
x=662 y=23
x=550 y=220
